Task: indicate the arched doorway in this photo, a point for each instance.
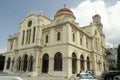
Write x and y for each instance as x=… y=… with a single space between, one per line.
x=88 y=63
x=45 y=63
x=8 y=63
x=19 y=63
x=82 y=62
x=25 y=62
x=58 y=62
x=74 y=63
x=31 y=63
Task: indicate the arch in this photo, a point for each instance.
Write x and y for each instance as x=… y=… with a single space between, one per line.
x=8 y=63
x=25 y=62
x=19 y=63
x=45 y=63
x=74 y=63
x=82 y=63
x=31 y=63
x=58 y=62
x=58 y=36
x=88 y=63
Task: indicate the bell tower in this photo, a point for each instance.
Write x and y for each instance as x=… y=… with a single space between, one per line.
x=97 y=22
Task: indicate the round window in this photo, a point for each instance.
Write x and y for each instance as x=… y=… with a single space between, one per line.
x=29 y=23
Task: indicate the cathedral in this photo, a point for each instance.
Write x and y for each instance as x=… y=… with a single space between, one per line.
x=58 y=47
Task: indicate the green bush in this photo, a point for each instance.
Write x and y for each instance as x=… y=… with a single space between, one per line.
x=2 y=61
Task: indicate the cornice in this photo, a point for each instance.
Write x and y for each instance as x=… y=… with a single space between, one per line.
x=30 y=47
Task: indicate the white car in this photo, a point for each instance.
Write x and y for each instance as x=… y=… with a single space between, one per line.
x=117 y=77
x=10 y=78
x=85 y=76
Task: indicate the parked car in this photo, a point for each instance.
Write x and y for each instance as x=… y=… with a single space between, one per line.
x=85 y=76
x=117 y=77
x=10 y=78
x=110 y=74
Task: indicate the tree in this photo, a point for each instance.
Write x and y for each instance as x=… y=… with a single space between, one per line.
x=2 y=60
x=118 y=57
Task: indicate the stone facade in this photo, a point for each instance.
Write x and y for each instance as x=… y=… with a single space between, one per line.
x=58 y=47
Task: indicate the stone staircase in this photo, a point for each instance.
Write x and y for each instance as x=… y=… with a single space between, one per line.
x=44 y=77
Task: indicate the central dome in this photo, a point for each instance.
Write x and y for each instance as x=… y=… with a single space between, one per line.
x=64 y=11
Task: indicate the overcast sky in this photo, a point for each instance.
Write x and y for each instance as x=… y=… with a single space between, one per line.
x=13 y=11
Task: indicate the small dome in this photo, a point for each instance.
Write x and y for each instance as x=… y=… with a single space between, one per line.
x=96 y=15
x=64 y=11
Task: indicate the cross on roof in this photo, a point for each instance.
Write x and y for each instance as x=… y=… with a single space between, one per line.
x=64 y=5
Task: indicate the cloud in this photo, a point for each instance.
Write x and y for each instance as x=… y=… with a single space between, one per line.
x=2 y=50
x=110 y=17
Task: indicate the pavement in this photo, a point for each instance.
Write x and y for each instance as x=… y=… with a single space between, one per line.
x=41 y=77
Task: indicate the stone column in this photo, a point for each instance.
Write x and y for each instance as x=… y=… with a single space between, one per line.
x=36 y=67
x=78 y=65
x=5 y=65
x=69 y=66
x=51 y=65
x=16 y=66
x=21 y=66
x=85 y=65
x=10 y=66
x=28 y=66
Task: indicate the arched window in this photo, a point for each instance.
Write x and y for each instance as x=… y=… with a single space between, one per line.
x=8 y=63
x=58 y=36
x=45 y=63
x=82 y=62
x=19 y=63
x=81 y=38
x=46 y=39
x=58 y=62
x=73 y=37
x=74 y=63
x=29 y=34
x=88 y=63
x=86 y=43
x=23 y=37
x=25 y=62
x=31 y=63
x=99 y=65
x=11 y=45
x=34 y=30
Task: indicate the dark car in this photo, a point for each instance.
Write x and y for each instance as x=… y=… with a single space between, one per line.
x=109 y=75
x=117 y=77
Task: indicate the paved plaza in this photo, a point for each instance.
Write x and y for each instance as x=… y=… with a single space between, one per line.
x=40 y=77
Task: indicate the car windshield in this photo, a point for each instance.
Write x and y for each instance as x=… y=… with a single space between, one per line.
x=86 y=76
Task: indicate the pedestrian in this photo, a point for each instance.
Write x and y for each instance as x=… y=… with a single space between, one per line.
x=80 y=71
